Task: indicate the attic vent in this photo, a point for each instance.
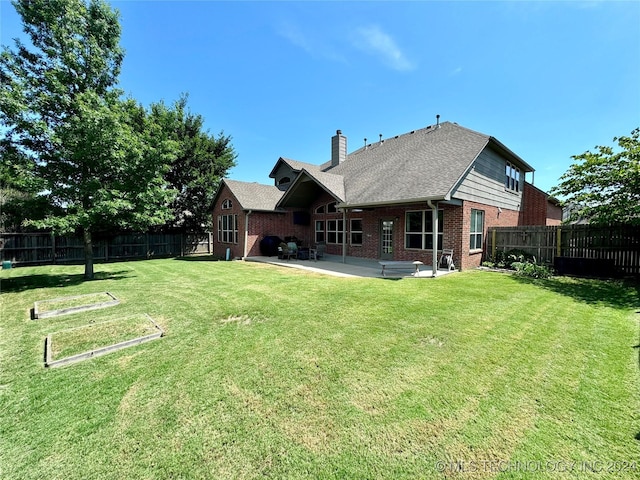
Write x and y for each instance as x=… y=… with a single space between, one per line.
x=412 y=131
x=396 y=136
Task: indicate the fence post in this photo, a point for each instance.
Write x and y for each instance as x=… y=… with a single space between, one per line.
x=493 y=243
x=559 y=242
x=53 y=248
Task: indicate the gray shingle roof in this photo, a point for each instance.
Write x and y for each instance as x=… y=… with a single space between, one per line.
x=422 y=164
x=254 y=196
x=295 y=165
x=419 y=165
x=333 y=183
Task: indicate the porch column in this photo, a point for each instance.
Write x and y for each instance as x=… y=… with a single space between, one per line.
x=434 y=235
x=246 y=234
x=344 y=235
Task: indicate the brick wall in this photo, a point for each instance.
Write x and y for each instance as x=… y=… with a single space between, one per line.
x=457 y=226
x=537 y=209
x=493 y=217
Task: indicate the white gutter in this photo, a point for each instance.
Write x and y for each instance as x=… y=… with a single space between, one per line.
x=434 y=234
x=246 y=234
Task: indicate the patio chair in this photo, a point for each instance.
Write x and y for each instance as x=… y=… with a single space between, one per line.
x=288 y=250
x=446 y=259
x=317 y=252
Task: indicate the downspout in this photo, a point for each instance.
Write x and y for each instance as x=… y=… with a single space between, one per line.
x=246 y=234
x=344 y=235
x=434 y=235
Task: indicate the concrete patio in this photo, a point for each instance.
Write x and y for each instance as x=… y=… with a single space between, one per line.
x=352 y=267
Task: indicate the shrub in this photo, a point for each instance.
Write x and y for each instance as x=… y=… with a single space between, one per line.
x=507 y=259
x=533 y=270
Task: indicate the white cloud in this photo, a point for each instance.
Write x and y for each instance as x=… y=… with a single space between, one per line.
x=373 y=40
x=313 y=45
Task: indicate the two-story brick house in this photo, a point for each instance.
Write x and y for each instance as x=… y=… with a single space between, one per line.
x=401 y=198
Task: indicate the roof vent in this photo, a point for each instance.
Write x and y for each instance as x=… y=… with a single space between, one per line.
x=438 y=120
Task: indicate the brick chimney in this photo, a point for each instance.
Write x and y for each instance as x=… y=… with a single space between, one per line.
x=338 y=148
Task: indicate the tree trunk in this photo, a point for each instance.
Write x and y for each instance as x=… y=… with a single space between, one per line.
x=88 y=255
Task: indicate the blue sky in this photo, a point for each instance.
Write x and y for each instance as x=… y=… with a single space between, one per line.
x=547 y=79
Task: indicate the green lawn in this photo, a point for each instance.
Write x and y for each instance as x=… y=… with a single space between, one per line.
x=270 y=372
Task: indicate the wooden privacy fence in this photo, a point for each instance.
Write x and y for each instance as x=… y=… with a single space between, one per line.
x=43 y=248
x=608 y=250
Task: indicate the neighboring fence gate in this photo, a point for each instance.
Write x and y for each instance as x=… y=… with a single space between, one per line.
x=594 y=250
x=43 y=248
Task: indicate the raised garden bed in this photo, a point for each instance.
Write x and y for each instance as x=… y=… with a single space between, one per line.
x=77 y=303
x=96 y=339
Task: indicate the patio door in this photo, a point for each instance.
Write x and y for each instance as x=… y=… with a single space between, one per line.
x=386 y=239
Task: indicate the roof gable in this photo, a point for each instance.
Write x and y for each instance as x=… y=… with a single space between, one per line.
x=308 y=185
x=294 y=165
x=251 y=195
x=419 y=165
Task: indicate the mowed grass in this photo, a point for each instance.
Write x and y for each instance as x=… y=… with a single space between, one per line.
x=73 y=302
x=86 y=338
x=278 y=373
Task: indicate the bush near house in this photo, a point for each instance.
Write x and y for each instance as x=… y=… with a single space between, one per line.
x=521 y=262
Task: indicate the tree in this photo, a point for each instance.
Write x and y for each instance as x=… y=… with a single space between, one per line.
x=604 y=186
x=100 y=160
x=202 y=161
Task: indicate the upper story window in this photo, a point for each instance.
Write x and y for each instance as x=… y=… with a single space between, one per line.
x=227 y=204
x=331 y=208
x=320 y=209
x=284 y=181
x=512 y=178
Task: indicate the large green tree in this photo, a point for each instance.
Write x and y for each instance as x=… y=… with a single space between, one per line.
x=604 y=186
x=99 y=160
x=202 y=161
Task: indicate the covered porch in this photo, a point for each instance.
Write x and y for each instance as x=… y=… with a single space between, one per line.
x=351 y=267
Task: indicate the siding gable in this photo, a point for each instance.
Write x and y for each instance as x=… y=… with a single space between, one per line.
x=484 y=183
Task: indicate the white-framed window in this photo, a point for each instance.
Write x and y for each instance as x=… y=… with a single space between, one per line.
x=227 y=204
x=335 y=230
x=228 y=228
x=512 y=178
x=418 y=230
x=477 y=229
x=355 y=230
x=331 y=207
x=319 y=231
x=320 y=210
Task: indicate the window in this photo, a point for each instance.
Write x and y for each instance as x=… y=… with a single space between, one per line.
x=356 y=231
x=319 y=231
x=477 y=229
x=228 y=228
x=284 y=181
x=331 y=208
x=320 y=209
x=512 y=178
x=227 y=204
x=335 y=231
x=418 y=229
